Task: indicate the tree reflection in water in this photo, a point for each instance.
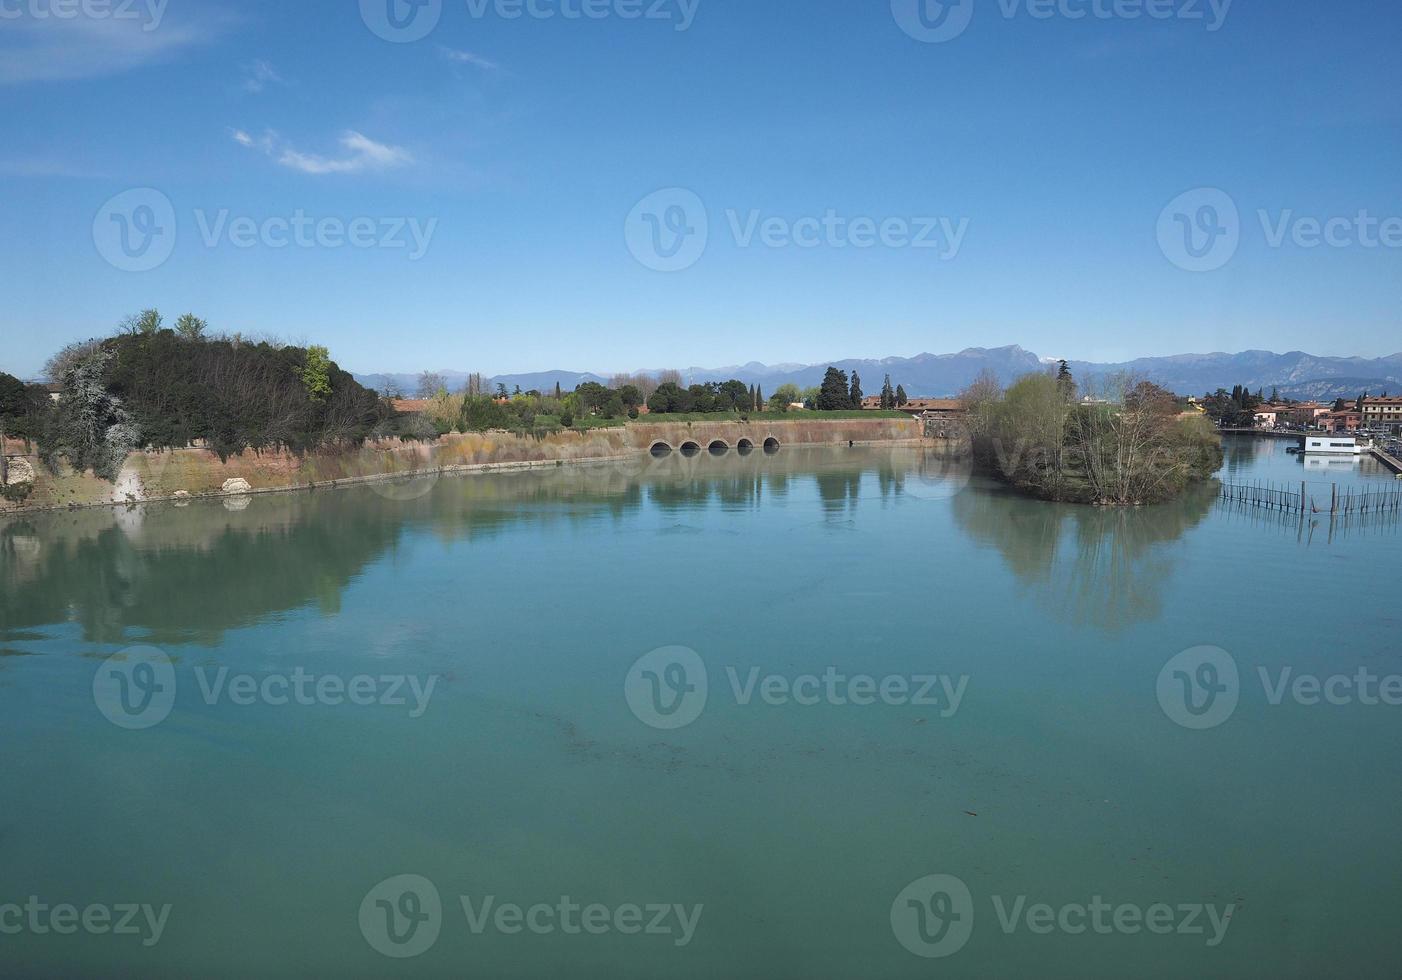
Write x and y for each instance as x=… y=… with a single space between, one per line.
x=1105 y=566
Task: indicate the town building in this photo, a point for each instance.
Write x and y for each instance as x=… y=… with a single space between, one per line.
x=1348 y=420
x=1384 y=414
x=919 y=407
x=1305 y=414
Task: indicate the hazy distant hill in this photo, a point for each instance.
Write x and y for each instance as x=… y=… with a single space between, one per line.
x=408 y=384
x=1295 y=374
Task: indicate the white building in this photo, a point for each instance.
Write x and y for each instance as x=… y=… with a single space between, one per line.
x=1328 y=444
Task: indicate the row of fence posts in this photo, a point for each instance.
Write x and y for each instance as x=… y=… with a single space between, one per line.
x=1350 y=501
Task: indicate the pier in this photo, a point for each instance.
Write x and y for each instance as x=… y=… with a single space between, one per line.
x=1388 y=460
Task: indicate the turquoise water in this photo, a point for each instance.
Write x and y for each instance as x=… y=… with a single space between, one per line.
x=548 y=755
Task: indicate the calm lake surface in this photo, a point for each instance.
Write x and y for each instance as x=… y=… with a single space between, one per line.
x=1046 y=765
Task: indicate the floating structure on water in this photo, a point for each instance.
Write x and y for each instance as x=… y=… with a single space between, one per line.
x=1327 y=444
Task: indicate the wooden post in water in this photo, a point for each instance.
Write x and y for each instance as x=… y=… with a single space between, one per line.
x=1302 y=496
x=1334 y=500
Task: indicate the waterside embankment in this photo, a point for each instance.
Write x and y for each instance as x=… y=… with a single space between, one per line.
x=182 y=473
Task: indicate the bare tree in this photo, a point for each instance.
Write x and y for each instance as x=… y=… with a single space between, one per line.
x=431 y=383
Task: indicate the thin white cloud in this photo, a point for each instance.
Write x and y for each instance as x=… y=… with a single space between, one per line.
x=258 y=76
x=360 y=153
x=54 y=50
x=265 y=142
x=468 y=58
x=46 y=167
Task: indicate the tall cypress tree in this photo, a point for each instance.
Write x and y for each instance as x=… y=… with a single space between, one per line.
x=833 y=393
x=855 y=397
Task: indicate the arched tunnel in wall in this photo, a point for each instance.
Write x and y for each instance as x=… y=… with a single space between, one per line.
x=716 y=447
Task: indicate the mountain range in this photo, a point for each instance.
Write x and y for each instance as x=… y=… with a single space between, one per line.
x=1295 y=374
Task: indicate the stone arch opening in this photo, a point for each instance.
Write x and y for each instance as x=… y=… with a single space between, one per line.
x=718 y=447
x=690 y=448
x=660 y=449
x=771 y=445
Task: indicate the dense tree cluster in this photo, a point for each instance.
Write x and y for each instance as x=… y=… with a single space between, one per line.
x=156 y=387
x=233 y=395
x=1131 y=445
x=23 y=408
x=723 y=396
x=1233 y=409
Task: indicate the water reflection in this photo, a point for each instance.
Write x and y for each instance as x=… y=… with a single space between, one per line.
x=1098 y=565
x=162 y=574
x=165 y=574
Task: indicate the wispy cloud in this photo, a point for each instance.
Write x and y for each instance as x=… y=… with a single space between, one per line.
x=468 y=58
x=53 y=49
x=258 y=76
x=359 y=153
x=46 y=167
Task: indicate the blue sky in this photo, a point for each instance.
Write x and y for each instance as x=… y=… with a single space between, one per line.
x=527 y=152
